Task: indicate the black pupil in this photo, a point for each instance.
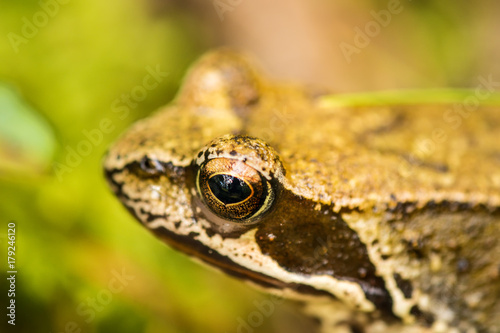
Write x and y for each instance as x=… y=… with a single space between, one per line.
x=229 y=189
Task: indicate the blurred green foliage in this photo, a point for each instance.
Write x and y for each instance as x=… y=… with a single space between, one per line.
x=72 y=235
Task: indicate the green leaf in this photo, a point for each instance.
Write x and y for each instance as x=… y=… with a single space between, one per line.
x=27 y=142
x=408 y=97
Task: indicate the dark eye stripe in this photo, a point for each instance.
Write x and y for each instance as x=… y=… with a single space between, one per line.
x=229 y=189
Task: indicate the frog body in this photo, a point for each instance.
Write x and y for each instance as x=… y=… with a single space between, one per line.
x=388 y=215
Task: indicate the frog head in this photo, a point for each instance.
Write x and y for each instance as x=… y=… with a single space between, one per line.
x=196 y=176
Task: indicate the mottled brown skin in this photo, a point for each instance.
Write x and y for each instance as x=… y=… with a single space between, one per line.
x=402 y=200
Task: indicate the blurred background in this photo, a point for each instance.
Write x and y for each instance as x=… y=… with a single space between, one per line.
x=84 y=264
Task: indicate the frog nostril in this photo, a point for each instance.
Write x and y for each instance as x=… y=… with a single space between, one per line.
x=151 y=166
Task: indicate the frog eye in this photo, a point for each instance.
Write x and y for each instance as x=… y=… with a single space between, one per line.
x=233 y=190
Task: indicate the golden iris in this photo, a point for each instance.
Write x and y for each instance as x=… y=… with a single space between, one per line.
x=233 y=190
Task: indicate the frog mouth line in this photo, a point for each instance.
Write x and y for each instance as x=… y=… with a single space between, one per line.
x=196 y=249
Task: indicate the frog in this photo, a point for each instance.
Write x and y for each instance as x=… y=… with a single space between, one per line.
x=376 y=217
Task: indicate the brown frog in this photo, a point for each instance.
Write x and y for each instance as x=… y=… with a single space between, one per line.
x=381 y=217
